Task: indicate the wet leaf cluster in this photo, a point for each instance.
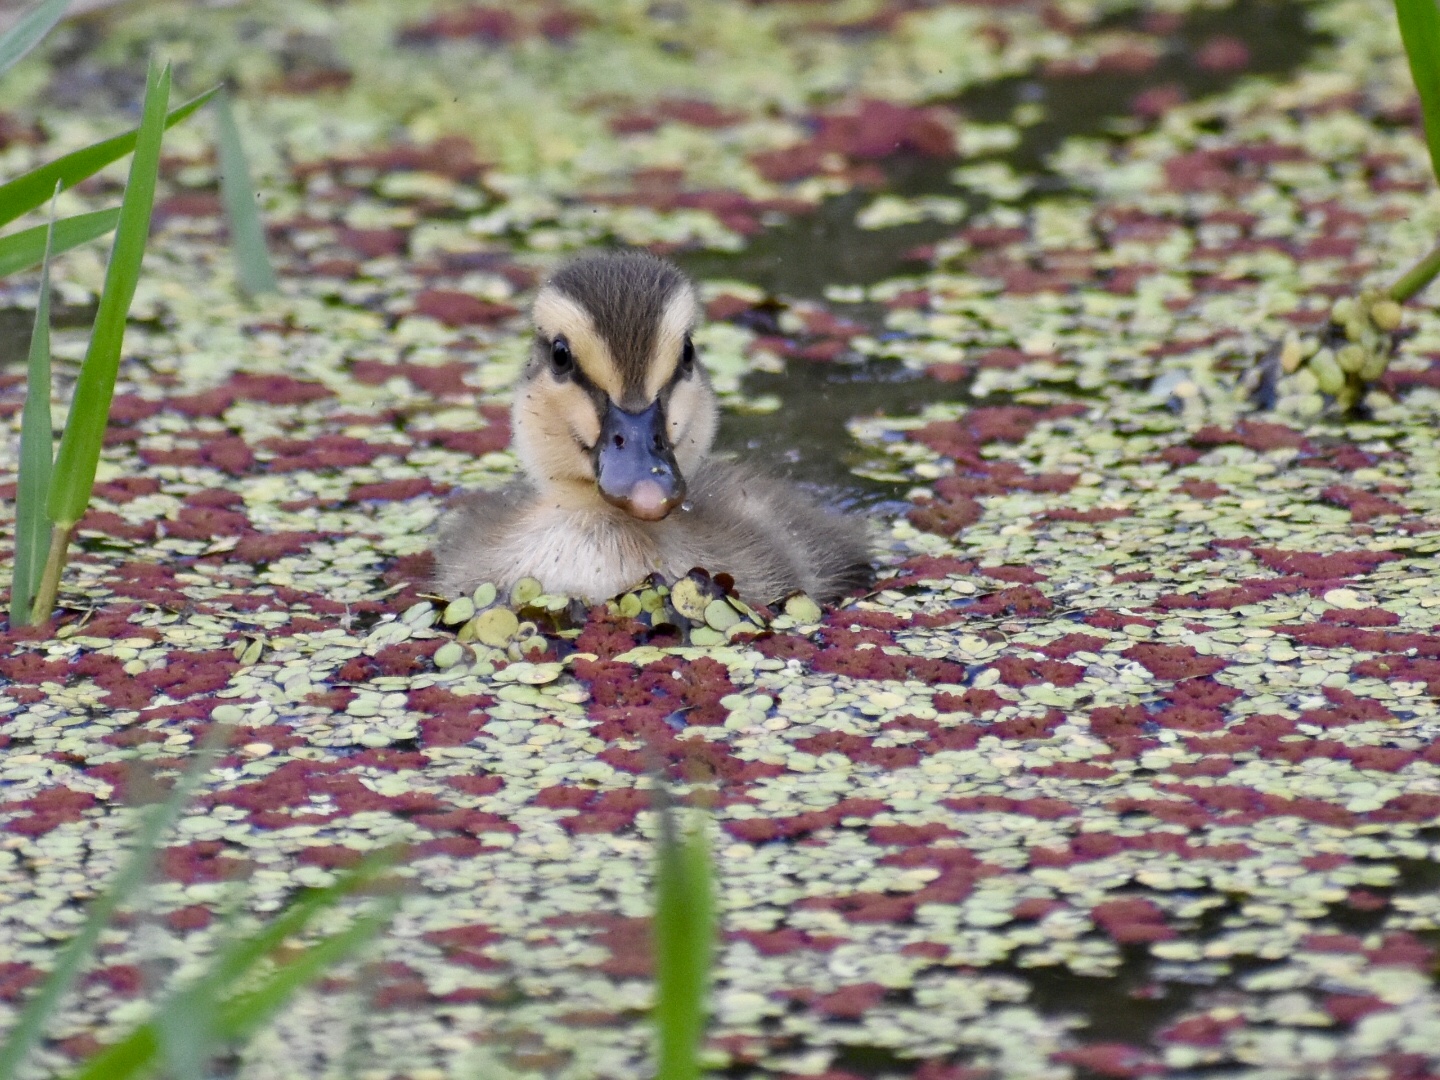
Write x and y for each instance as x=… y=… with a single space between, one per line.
x=1348 y=356
x=696 y=610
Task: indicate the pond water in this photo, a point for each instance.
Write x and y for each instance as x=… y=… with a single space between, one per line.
x=810 y=253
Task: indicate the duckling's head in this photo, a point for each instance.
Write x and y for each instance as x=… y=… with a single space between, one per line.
x=613 y=403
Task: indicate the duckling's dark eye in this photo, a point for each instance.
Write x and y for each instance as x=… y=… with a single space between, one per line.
x=562 y=360
x=687 y=359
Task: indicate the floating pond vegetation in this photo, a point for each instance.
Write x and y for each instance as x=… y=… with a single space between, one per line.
x=695 y=610
x=1128 y=765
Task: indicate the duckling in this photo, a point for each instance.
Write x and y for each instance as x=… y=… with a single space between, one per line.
x=613 y=421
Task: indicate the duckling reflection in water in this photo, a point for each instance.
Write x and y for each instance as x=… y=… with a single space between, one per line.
x=613 y=420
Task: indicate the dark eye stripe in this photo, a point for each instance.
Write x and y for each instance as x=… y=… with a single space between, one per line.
x=686 y=366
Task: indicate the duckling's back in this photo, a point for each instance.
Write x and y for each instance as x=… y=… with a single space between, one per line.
x=768 y=535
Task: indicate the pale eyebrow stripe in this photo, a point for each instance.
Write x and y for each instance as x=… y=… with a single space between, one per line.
x=676 y=321
x=555 y=313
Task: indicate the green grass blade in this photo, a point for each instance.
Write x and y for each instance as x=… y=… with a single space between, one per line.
x=28 y=32
x=122 y=889
x=242 y=1016
x=134 y=1054
x=138 y=1049
x=186 y=1036
x=90 y=411
x=189 y=1029
x=1417 y=277
x=29 y=191
x=1420 y=30
x=24 y=249
x=237 y=1017
x=243 y=953
x=684 y=941
x=247 y=232
x=37 y=456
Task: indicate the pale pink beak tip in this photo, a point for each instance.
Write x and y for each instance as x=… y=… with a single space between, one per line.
x=648 y=501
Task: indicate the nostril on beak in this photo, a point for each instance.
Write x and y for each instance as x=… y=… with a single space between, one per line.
x=619 y=440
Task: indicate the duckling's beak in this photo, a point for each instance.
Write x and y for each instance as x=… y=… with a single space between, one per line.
x=635 y=464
